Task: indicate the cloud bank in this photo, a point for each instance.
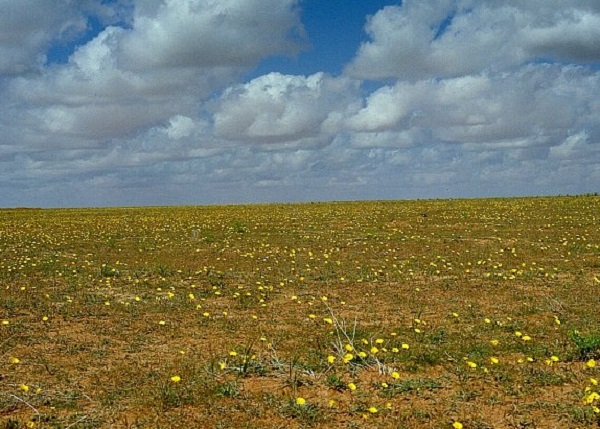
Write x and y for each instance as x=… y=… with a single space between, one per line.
x=442 y=99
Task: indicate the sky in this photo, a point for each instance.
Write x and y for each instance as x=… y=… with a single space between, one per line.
x=191 y=102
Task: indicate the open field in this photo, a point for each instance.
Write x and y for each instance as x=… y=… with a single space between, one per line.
x=421 y=314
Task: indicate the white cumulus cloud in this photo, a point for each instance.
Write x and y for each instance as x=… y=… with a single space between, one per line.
x=170 y=58
x=210 y=33
x=538 y=105
x=449 y=38
x=160 y=102
x=283 y=108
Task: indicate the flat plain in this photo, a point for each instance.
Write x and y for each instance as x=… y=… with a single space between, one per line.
x=395 y=314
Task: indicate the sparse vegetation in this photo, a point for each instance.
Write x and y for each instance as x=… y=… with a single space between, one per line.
x=481 y=314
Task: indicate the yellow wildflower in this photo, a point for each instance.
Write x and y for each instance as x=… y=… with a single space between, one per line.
x=591 y=398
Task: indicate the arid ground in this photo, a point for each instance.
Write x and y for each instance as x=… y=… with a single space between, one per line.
x=410 y=314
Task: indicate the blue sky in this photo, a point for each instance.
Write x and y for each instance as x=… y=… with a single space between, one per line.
x=334 y=29
x=162 y=102
x=59 y=51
